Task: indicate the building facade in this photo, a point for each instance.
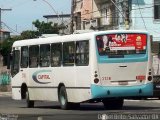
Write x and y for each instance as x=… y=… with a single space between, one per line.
x=4 y=35
x=143 y=15
x=118 y=14
x=62 y=19
x=94 y=14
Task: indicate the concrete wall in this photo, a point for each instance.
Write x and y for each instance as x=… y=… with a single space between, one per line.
x=86 y=11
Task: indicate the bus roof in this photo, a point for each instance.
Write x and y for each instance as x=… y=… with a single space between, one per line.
x=72 y=37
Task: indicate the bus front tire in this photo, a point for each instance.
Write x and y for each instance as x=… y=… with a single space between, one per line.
x=113 y=104
x=30 y=103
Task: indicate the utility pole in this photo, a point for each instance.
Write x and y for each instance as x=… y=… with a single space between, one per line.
x=1 y=22
x=72 y=16
x=124 y=12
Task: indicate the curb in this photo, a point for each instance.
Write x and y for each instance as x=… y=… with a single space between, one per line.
x=5 y=94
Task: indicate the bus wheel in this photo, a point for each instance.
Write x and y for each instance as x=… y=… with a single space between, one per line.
x=113 y=104
x=30 y=103
x=62 y=96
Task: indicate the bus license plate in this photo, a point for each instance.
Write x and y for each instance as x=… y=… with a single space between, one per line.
x=123 y=83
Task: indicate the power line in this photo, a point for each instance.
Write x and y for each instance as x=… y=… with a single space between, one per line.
x=117 y=11
x=1 y=21
x=141 y=16
x=11 y=29
x=51 y=8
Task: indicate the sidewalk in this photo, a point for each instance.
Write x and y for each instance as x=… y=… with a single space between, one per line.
x=5 y=88
x=5 y=94
x=148 y=100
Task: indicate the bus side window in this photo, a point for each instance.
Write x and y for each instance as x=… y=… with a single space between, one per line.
x=82 y=53
x=68 y=53
x=44 y=55
x=15 y=62
x=56 y=54
x=24 y=57
x=33 y=56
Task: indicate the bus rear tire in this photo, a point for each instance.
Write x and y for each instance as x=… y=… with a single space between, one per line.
x=63 y=100
x=113 y=104
x=30 y=103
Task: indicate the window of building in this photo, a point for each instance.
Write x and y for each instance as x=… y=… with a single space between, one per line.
x=68 y=53
x=56 y=54
x=82 y=53
x=33 y=56
x=45 y=55
x=24 y=57
x=106 y=14
x=156 y=9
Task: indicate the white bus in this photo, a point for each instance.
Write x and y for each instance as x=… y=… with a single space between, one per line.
x=105 y=66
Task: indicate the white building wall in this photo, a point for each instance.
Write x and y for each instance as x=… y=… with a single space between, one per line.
x=142 y=18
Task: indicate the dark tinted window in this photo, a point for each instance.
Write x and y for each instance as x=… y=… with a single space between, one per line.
x=33 y=56
x=156 y=9
x=68 y=53
x=44 y=55
x=15 y=62
x=82 y=53
x=24 y=57
x=56 y=54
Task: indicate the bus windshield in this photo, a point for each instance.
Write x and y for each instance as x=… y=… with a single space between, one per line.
x=118 y=45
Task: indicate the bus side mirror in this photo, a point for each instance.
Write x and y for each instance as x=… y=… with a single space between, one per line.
x=9 y=61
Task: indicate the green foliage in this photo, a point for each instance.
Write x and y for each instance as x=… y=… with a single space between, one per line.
x=42 y=28
x=6 y=46
x=29 y=34
x=46 y=28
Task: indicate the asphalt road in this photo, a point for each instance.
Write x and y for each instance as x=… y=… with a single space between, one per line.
x=16 y=110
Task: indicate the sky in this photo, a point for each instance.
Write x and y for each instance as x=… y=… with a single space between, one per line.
x=24 y=12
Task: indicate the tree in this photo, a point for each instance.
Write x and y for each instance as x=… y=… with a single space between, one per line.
x=42 y=28
x=28 y=34
x=5 y=48
x=46 y=28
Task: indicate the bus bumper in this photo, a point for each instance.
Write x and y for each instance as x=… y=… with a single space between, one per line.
x=121 y=91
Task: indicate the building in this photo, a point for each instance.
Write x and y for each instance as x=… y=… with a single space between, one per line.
x=94 y=14
x=118 y=14
x=63 y=19
x=143 y=14
x=4 y=35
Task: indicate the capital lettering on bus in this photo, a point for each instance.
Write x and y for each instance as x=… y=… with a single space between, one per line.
x=43 y=77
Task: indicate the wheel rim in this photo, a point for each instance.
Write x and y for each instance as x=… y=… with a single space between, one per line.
x=62 y=98
x=27 y=96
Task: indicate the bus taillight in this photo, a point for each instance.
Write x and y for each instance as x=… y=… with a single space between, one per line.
x=140 y=77
x=149 y=78
x=96 y=80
